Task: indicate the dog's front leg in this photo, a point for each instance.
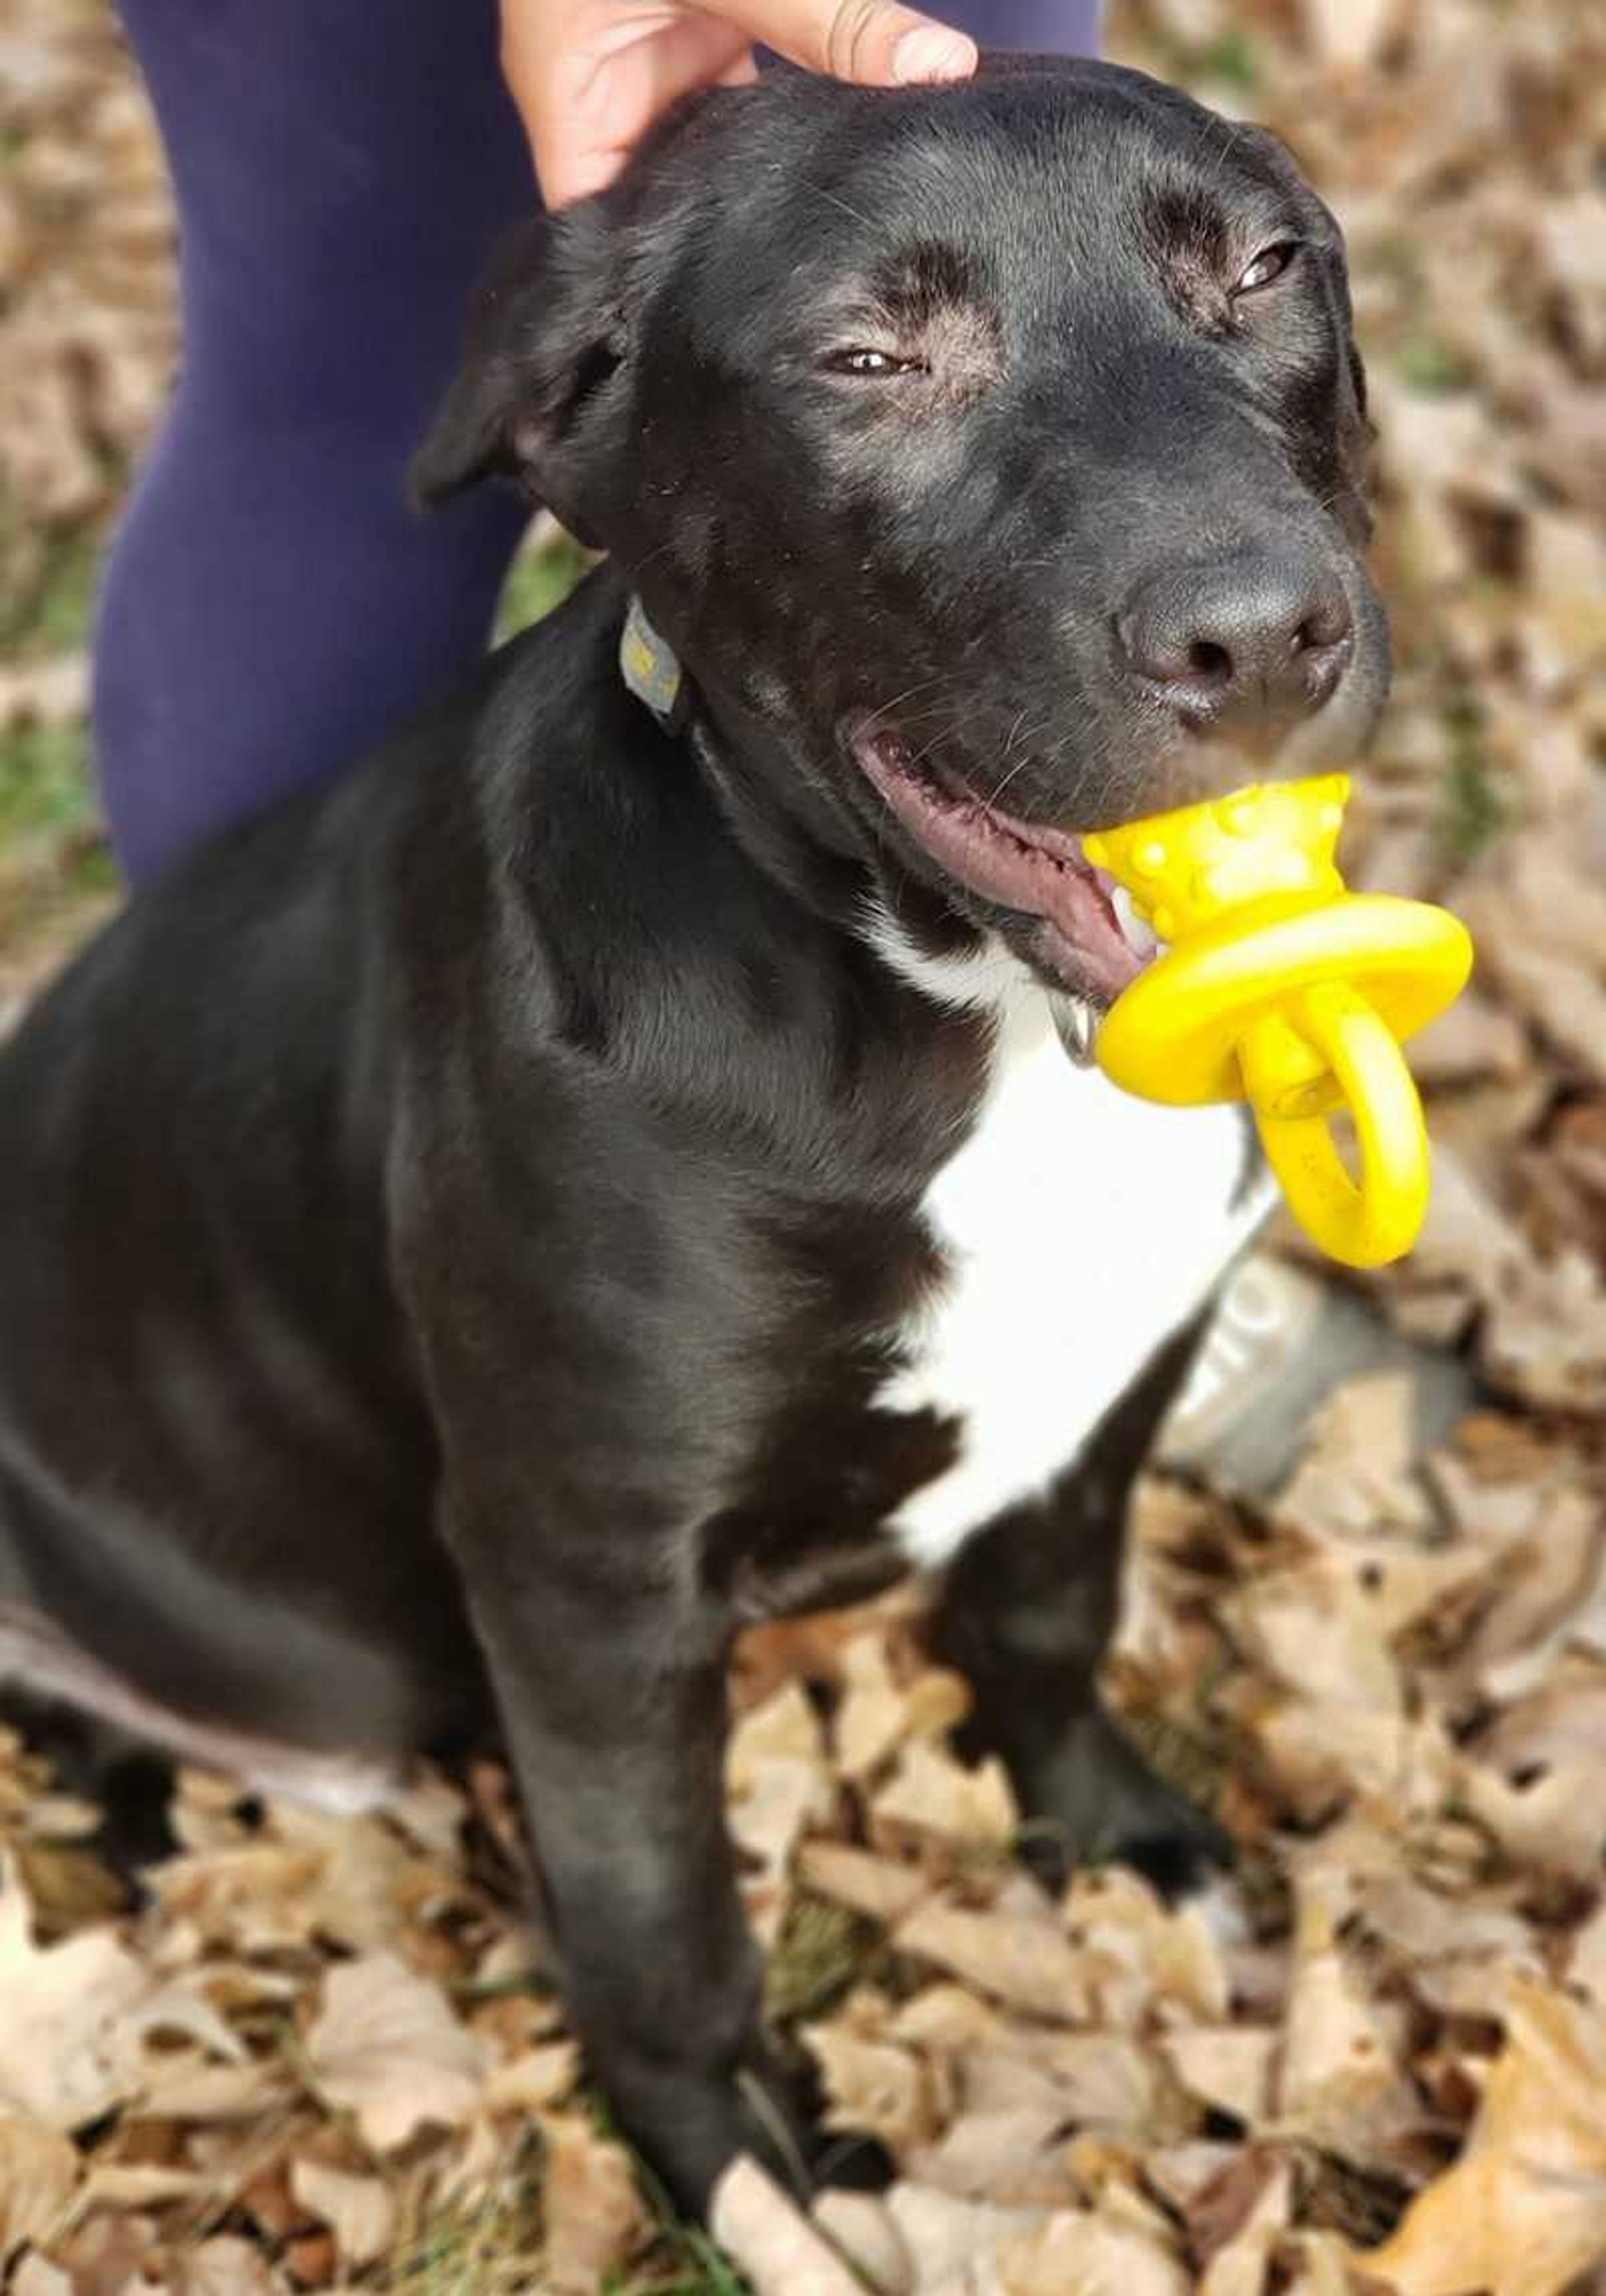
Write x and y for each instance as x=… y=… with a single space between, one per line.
x=1027 y=1615
x=610 y=1678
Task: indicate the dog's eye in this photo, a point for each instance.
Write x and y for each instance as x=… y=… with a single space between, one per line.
x=1269 y=264
x=872 y=363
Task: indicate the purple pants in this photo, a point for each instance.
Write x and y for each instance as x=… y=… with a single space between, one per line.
x=272 y=603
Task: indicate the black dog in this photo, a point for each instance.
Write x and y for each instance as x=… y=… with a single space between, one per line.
x=473 y=1240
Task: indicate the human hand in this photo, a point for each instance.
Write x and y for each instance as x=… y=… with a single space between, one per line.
x=589 y=76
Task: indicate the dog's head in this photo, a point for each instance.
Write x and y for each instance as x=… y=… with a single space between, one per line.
x=990 y=455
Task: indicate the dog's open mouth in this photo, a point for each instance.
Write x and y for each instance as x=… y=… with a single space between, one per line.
x=1089 y=936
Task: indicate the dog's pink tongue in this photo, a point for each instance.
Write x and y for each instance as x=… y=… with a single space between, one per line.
x=1082 y=936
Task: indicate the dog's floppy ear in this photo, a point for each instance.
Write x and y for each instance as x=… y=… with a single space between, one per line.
x=544 y=372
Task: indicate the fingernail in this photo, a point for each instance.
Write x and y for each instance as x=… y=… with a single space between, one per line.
x=930 y=52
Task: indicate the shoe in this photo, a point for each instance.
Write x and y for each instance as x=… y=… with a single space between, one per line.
x=1281 y=1340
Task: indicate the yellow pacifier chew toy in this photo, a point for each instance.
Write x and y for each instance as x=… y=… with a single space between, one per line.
x=1281 y=988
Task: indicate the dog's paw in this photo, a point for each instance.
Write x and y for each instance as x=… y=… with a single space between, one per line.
x=788 y=2109
x=1096 y=1801
x=849 y=2161
x=690 y=2127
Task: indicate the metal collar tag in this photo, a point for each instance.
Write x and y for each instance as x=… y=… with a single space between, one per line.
x=651 y=671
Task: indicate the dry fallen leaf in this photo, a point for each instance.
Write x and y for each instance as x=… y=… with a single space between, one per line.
x=1097 y=2079
x=592 y=2211
x=69 y=2048
x=1341 y=2081
x=360 y=2211
x=859 y=2225
x=1097 y=2259
x=1152 y=1953
x=1237 y=2218
x=881 y=1887
x=1523 y=2212
x=953 y=2245
x=34 y=2276
x=779 y=1783
x=1021 y=1960
x=225 y=2268
x=39 y=2169
x=931 y=1793
x=774 y=2244
x=873 y=1716
x=1017 y=2157
x=535 y=2080
x=108 y=2253
x=1358 y=1470
x=875 y=2086
x=1229 y=2067
x=386 y=2046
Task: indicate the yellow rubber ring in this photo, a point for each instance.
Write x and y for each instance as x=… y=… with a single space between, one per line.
x=1378 y=1221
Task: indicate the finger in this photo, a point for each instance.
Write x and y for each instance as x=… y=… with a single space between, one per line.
x=588 y=100
x=875 y=43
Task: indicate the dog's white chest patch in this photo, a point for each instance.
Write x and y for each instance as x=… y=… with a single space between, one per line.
x=1080 y=1228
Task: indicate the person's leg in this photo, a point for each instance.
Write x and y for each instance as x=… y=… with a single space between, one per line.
x=1065 y=28
x=273 y=603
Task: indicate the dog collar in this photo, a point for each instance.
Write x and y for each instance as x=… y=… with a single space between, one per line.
x=651 y=670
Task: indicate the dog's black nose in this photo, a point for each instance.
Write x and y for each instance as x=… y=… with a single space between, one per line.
x=1250 y=639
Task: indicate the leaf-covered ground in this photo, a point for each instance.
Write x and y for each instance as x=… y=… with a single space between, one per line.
x=324 y=2054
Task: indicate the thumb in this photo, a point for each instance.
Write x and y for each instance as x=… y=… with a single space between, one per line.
x=875 y=43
